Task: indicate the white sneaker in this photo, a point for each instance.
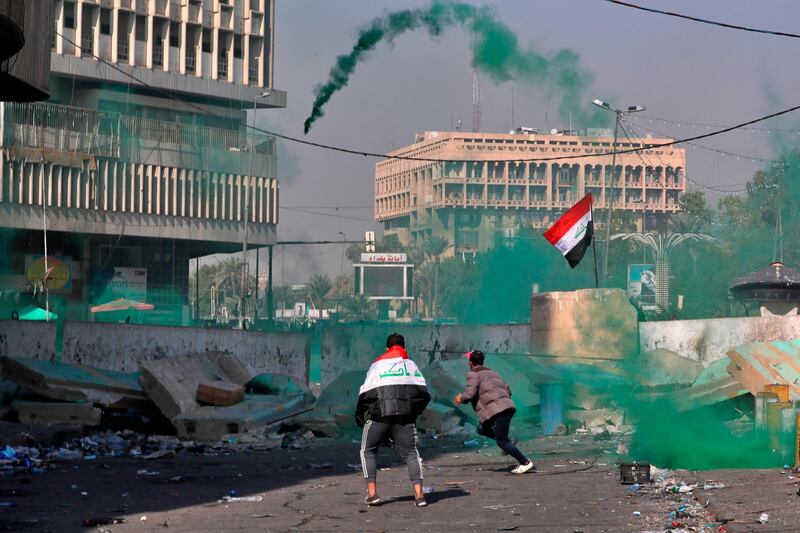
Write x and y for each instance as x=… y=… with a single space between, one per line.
x=521 y=469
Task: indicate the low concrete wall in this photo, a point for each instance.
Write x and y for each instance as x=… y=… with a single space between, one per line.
x=123 y=347
x=346 y=348
x=708 y=340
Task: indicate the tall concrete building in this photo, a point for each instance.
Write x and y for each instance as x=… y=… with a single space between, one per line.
x=485 y=190
x=141 y=160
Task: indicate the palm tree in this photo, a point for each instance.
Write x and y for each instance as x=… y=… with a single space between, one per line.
x=318 y=288
x=660 y=246
x=228 y=278
x=433 y=248
x=281 y=296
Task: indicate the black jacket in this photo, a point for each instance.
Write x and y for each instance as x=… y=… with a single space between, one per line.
x=394 y=390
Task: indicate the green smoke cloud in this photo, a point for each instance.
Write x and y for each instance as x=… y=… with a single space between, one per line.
x=496 y=52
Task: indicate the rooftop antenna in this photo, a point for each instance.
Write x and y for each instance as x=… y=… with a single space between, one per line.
x=513 y=122
x=476 y=101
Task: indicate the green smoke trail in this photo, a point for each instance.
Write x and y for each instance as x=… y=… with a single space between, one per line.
x=496 y=52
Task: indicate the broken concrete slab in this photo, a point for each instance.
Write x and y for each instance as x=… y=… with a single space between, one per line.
x=219 y=393
x=709 y=393
x=714 y=372
x=253 y=414
x=598 y=323
x=75 y=383
x=758 y=364
x=172 y=382
x=445 y=380
x=438 y=417
x=63 y=413
x=663 y=367
x=334 y=411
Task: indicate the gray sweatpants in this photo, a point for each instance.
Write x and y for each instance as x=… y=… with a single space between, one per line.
x=403 y=435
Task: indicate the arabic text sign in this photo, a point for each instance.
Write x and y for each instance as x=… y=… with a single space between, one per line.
x=384 y=258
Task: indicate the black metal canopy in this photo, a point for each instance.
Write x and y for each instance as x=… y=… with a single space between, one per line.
x=776 y=283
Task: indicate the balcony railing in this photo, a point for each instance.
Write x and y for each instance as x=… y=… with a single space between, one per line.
x=87 y=46
x=158 y=56
x=122 y=50
x=191 y=63
x=45 y=125
x=67 y=137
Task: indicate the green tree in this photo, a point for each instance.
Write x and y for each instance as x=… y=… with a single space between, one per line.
x=695 y=213
x=319 y=286
x=433 y=248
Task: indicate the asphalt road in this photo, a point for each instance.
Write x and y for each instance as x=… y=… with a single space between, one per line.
x=576 y=488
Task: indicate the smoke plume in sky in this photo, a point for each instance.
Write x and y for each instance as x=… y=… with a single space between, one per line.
x=495 y=50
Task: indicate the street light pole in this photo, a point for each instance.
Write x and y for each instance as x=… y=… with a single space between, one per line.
x=242 y=282
x=341 y=266
x=609 y=198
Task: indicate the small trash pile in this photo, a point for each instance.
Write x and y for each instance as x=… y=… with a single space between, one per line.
x=204 y=396
x=36 y=458
x=685 y=512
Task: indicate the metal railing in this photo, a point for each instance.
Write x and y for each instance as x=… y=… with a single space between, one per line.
x=158 y=56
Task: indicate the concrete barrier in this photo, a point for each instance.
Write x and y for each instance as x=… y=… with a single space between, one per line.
x=353 y=348
x=593 y=323
x=122 y=347
x=708 y=340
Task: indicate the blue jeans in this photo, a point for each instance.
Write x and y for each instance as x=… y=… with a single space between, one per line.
x=497 y=428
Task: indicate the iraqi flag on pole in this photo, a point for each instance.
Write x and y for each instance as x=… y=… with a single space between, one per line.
x=572 y=233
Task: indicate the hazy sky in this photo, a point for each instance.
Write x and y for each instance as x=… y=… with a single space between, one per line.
x=680 y=70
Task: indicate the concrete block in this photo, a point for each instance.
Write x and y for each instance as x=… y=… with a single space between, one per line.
x=597 y=323
x=219 y=393
x=172 y=382
x=255 y=413
x=71 y=414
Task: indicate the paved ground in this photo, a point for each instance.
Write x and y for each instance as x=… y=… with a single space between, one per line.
x=576 y=489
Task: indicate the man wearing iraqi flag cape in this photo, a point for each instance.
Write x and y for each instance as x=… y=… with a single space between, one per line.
x=572 y=233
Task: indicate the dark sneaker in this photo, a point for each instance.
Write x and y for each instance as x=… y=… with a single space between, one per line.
x=372 y=500
x=421 y=502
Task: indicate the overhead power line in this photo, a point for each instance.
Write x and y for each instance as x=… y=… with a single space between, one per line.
x=364 y=153
x=704 y=21
x=682 y=123
x=331 y=215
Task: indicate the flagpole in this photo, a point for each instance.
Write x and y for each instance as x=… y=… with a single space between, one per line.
x=594 y=250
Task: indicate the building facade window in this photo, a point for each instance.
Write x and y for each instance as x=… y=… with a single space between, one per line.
x=69 y=15
x=141 y=28
x=207 y=41
x=174 y=34
x=123 y=34
x=237 y=46
x=222 y=63
x=105 y=21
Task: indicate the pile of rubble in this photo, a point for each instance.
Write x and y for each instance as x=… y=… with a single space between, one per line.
x=204 y=396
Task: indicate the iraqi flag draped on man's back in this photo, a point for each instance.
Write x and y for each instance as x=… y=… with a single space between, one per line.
x=572 y=233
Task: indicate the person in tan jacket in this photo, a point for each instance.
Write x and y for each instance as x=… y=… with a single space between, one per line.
x=491 y=398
